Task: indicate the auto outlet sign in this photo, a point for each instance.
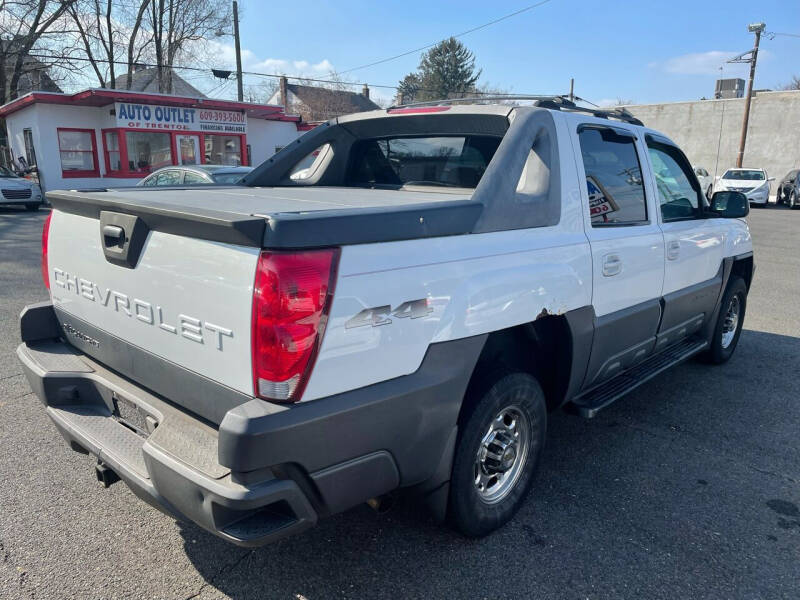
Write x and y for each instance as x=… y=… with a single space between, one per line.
x=174 y=118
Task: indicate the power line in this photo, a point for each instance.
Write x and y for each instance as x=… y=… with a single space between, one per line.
x=772 y=34
x=458 y=35
x=207 y=71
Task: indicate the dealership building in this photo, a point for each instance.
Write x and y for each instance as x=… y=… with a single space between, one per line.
x=113 y=138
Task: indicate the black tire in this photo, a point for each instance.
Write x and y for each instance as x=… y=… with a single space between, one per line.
x=792 y=201
x=468 y=512
x=778 y=198
x=719 y=352
x=32 y=206
x=709 y=192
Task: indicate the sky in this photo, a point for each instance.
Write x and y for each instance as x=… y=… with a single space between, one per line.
x=645 y=52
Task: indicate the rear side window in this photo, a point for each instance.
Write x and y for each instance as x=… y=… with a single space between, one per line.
x=448 y=161
x=227 y=178
x=613 y=177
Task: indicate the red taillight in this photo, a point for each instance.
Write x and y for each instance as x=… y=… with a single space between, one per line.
x=45 y=237
x=291 y=300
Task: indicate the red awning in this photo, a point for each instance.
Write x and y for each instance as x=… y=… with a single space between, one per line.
x=104 y=97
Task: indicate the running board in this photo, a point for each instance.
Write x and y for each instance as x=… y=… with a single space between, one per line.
x=591 y=402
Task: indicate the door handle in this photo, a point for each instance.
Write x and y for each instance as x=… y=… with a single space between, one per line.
x=612 y=265
x=673 y=250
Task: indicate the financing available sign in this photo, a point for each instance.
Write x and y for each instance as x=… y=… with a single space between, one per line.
x=174 y=118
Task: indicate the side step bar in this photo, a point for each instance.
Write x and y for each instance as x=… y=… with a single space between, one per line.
x=596 y=399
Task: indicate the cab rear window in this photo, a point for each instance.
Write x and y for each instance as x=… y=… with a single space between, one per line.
x=444 y=161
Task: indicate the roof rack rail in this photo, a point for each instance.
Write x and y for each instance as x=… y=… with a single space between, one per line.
x=556 y=102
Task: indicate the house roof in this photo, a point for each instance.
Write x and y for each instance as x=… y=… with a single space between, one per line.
x=104 y=97
x=341 y=102
x=30 y=66
x=146 y=80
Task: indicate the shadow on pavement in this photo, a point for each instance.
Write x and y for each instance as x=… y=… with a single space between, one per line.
x=633 y=502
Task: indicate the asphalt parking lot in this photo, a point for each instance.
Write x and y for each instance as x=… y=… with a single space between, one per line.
x=688 y=488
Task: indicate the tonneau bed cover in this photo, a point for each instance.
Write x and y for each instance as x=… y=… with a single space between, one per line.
x=283 y=217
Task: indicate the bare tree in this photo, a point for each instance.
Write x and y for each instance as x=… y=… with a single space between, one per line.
x=176 y=25
x=98 y=29
x=136 y=29
x=23 y=26
x=793 y=84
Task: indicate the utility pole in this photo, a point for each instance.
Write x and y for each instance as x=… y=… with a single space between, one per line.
x=756 y=28
x=239 y=89
x=572 y=89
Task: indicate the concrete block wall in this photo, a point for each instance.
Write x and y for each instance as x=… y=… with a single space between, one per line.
x=701 y=128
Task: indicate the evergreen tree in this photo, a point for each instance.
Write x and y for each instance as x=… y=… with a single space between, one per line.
x=445 y=71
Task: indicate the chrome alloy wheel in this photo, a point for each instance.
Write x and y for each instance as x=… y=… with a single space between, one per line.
x=731 y=322
x=502 y=455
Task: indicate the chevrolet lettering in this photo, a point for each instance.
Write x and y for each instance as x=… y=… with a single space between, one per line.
x=189 y=327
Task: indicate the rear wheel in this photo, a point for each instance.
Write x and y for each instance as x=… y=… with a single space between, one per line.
x=729 y=322
x=496 y=454
x=792 y=202
x=709 y=192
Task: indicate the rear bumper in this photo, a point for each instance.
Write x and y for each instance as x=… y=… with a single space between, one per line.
x=174 y=468
x=268 y=471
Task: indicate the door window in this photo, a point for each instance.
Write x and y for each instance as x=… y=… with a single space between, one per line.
x=678 y=192
x=194 y=178
x=613 y=176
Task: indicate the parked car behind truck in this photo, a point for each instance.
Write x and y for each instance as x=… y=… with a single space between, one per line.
x=16 y=190
x=788 y=191
x=753 y=183
x=706 y=181
x=402 y=311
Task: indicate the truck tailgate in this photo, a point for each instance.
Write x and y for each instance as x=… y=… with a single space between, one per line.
x=186 y=300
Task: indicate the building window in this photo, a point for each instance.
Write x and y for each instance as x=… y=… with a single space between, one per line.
x=223 y=149
x=148 y=151
x=113 y=153
x=30 y=153
x=78 y=151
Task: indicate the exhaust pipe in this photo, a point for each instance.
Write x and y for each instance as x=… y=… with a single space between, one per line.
x=105 y=475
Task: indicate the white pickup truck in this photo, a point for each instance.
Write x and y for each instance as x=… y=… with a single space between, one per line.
x=394 y=301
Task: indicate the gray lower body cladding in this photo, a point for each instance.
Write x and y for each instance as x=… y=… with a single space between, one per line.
x=268 y=470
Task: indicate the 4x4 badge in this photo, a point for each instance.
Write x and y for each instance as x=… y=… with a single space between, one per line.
x=379 y=315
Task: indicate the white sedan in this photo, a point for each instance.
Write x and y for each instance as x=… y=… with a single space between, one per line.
x=705 y=179
x=753 y=183
x=16 y=190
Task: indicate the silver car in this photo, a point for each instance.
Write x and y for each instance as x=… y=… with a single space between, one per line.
x=195 y=175
x=17 y=190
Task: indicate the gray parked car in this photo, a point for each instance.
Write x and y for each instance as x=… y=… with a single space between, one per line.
x=789 y=189
x=195 y=175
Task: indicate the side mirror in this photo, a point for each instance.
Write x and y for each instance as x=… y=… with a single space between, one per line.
x=729 y=205
x=770 y=179
x=717 y=177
